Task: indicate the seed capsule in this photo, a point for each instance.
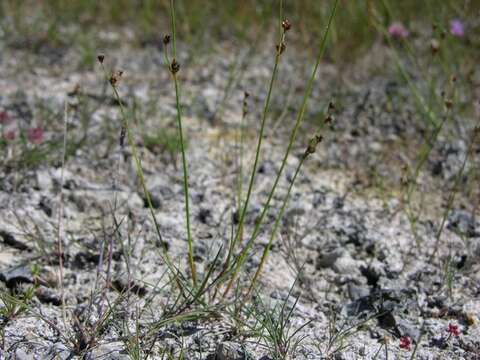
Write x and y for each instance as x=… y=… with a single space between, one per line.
x=286 y=25
x=174 y=67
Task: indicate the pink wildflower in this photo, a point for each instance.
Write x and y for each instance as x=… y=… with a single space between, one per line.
x=9 y=135
x=405 y=343
x=398 y=30
x=456 y=28
x=35 y=135
x=4 y=118
x=453 y=330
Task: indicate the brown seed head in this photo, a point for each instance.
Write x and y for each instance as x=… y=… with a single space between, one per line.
x=174 y=67
x=166 y=39
x=312 y=144
x=245 y=103
x=449 y=103
x=286 y=25
x=331 y=106
x=115 y=77
x=101 y=58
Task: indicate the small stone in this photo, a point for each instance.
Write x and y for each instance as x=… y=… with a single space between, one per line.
x=326 y=259
x=228 y=350
x=44 y=180
x=48 y=296
x=155 y=200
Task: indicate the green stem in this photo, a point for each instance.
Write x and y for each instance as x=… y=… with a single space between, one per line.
x=182 y=147
x=259 y=145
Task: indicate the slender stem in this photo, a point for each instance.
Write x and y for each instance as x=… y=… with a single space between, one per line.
x=240 y=160
x=275 y=226
x=257 y=154
x=182 y=148
x=242 y=257
x=60 y=215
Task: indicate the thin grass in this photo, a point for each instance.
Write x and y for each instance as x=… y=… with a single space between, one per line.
x=244 y=253
x=60 y=229
x=182 y=146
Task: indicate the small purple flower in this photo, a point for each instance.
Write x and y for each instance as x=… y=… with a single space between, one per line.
x=398 y=30
x=456 y=28
x=35 y=135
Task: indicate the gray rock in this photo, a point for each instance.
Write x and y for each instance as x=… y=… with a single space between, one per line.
x=356 y=292
x=346 y=265
x=463 y=222
x=10 y=240
x=16 y=275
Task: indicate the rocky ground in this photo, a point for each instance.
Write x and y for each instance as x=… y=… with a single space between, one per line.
x=364 y=274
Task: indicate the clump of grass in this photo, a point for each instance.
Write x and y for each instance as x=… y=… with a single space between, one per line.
x=13 y=307
x=273 y=325
x=233 y=263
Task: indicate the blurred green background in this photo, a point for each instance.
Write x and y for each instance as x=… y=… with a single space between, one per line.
x=203 y=23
